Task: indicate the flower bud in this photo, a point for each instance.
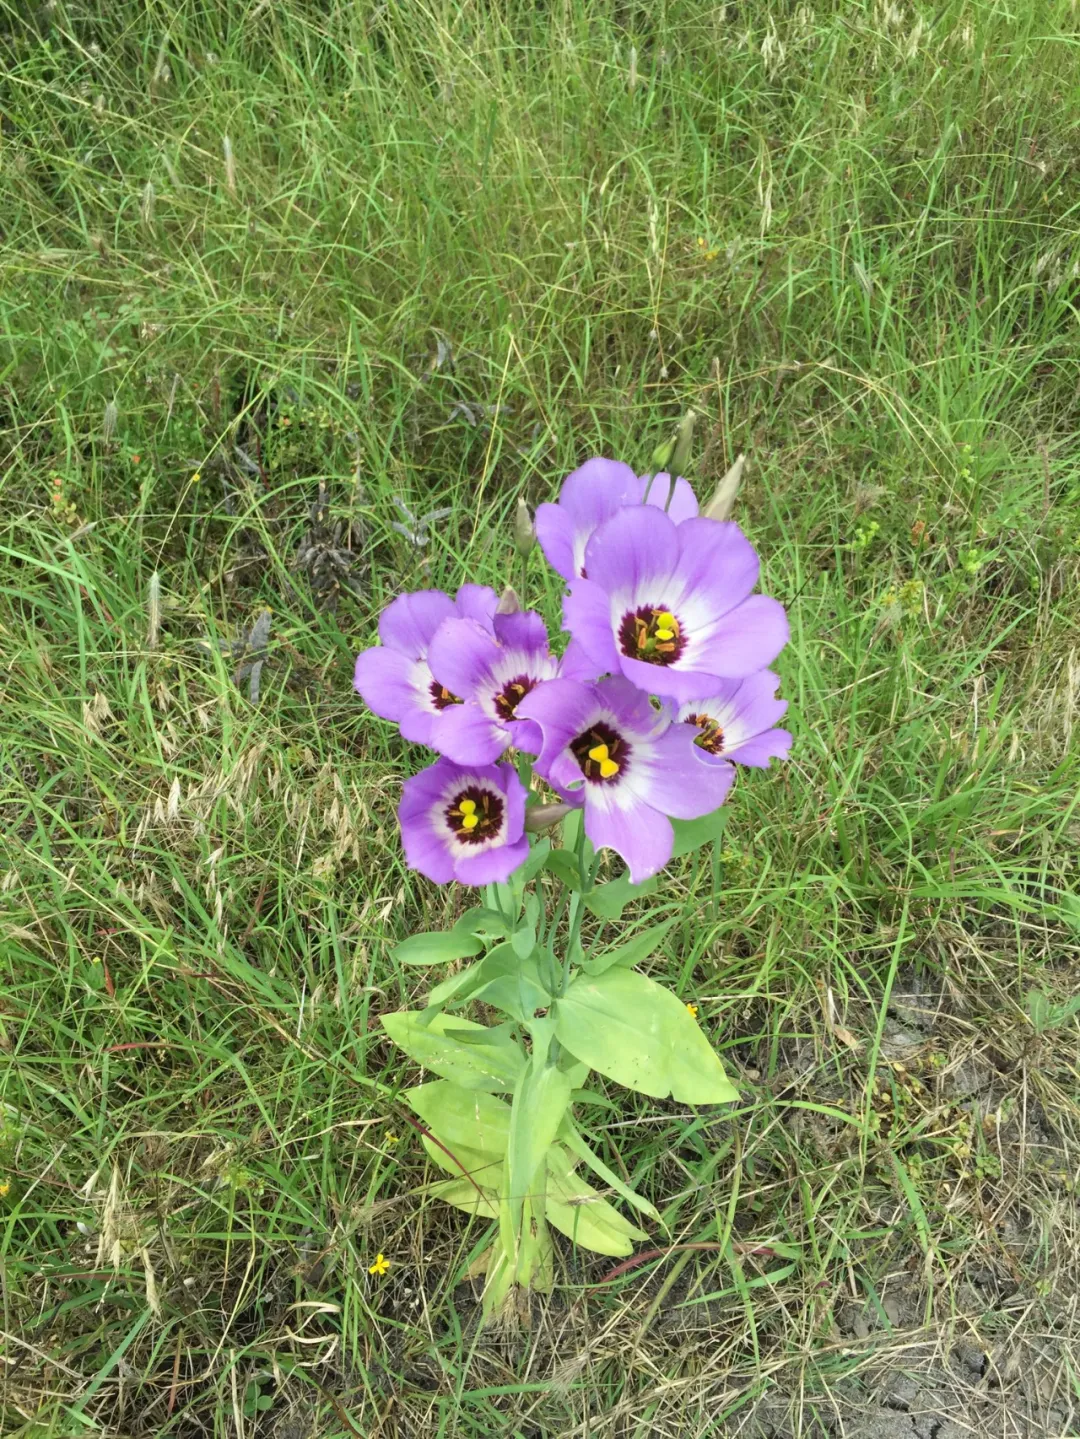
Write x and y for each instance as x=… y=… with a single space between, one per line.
x=509 y=604
x=524 y=532
x=723 y=501
x=684 y=438
x=661 y=455
x=543 y=816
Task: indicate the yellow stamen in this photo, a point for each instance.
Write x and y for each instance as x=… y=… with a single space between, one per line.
x=599 y=752
x=669 y=622
x=467 y=806
x=608 y=767
x=665 y=634
x=470 y=821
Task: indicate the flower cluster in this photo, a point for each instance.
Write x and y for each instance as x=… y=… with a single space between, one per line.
x=662 y=689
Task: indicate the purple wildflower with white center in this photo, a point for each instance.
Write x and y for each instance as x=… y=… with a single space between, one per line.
x=464 y=822
x=604 y=746
x=493 y=670
x=394 y=678
x=736 y=721
x=591 y=495
x=670 y=606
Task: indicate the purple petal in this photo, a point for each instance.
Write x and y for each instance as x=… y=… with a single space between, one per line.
x=562 y=709
x=555 y=536
x=576 y=664
x=758 y=751
x=683 y=504
x=746 y=639
x=468 y=736
x=590 y=495
x=526 y=735
x=461 y=656
x=494 y=866
x=635 y=553
x=587 y=615
x=673 y=775
x=395 y=688
x=634 y=830
x=408 y=623
x=523 y=631
x=715 y=560
x=477 y=602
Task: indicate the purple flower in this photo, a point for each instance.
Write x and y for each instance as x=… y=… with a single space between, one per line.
x=464 y=822
x=591 y=495
x=669 y=605
x=606 y=747
x=394 y=678
x=493 y=671
x=735 y=721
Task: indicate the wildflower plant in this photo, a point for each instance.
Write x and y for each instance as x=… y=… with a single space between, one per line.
x=627 y=737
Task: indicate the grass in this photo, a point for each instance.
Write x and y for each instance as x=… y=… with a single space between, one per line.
x=432 y=257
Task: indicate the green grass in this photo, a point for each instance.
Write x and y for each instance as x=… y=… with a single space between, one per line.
x=457 y=249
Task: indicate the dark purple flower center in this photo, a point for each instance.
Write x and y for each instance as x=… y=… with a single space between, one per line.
x=711 y=737
x=653 y=634
x=441 y=697
x=601 y=753
x=475 y=815
x=511 y=695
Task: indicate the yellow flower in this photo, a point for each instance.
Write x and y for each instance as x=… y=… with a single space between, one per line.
x=196 y=477
x=391 y=1138
x=692 y=1010
x=5 y=1189
x=381 y=1265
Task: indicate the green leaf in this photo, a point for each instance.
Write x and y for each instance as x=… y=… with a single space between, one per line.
x=1038 y=1008
x=609 y=900
x=466 y=1117
x=562 y=863
x=634 y=951
x=540 y=1101
x=460 y=986
x=488 y=1062
x=481 y=921
x=1070 y=908
x=487 y=1169
x=691 y=834
x=538 y=854
x=577 y=1211
x=463 y=1195
x=570 y=1136
x=639 y=1034
x=438 y=947
x=524 y=941
x=519 y=992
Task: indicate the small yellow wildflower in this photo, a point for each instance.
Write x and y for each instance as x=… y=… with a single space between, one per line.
x=5 y=1189
x=692 y=1010
x=381 y=1265
x=196 y=477
x=391 y=1138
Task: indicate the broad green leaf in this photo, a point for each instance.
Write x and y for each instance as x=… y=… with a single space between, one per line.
x=491 y=1063
x=635 y=951
x=481 y=921
x=1038 y=1008
x=563 y=864
x=519 y=992
x=505 y=899
x=639 y=1034
x=464 y=1163
x=460 y=986
x=468 y=1118
x=438 y=947
x=609 y=900
x=691 y=834
x=576 y=1072
x=573 y=1140
x=524 y=941
x=538 y=854
x=577 y=1211
x=539 y=1104
x=1070 y=908
x=463 y=1195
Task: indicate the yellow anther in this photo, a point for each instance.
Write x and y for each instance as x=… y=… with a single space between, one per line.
x=665 y=634
x=599 y=752
x=467 y=806
x=608 y=767
x=470 y=821
x=668 y=620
